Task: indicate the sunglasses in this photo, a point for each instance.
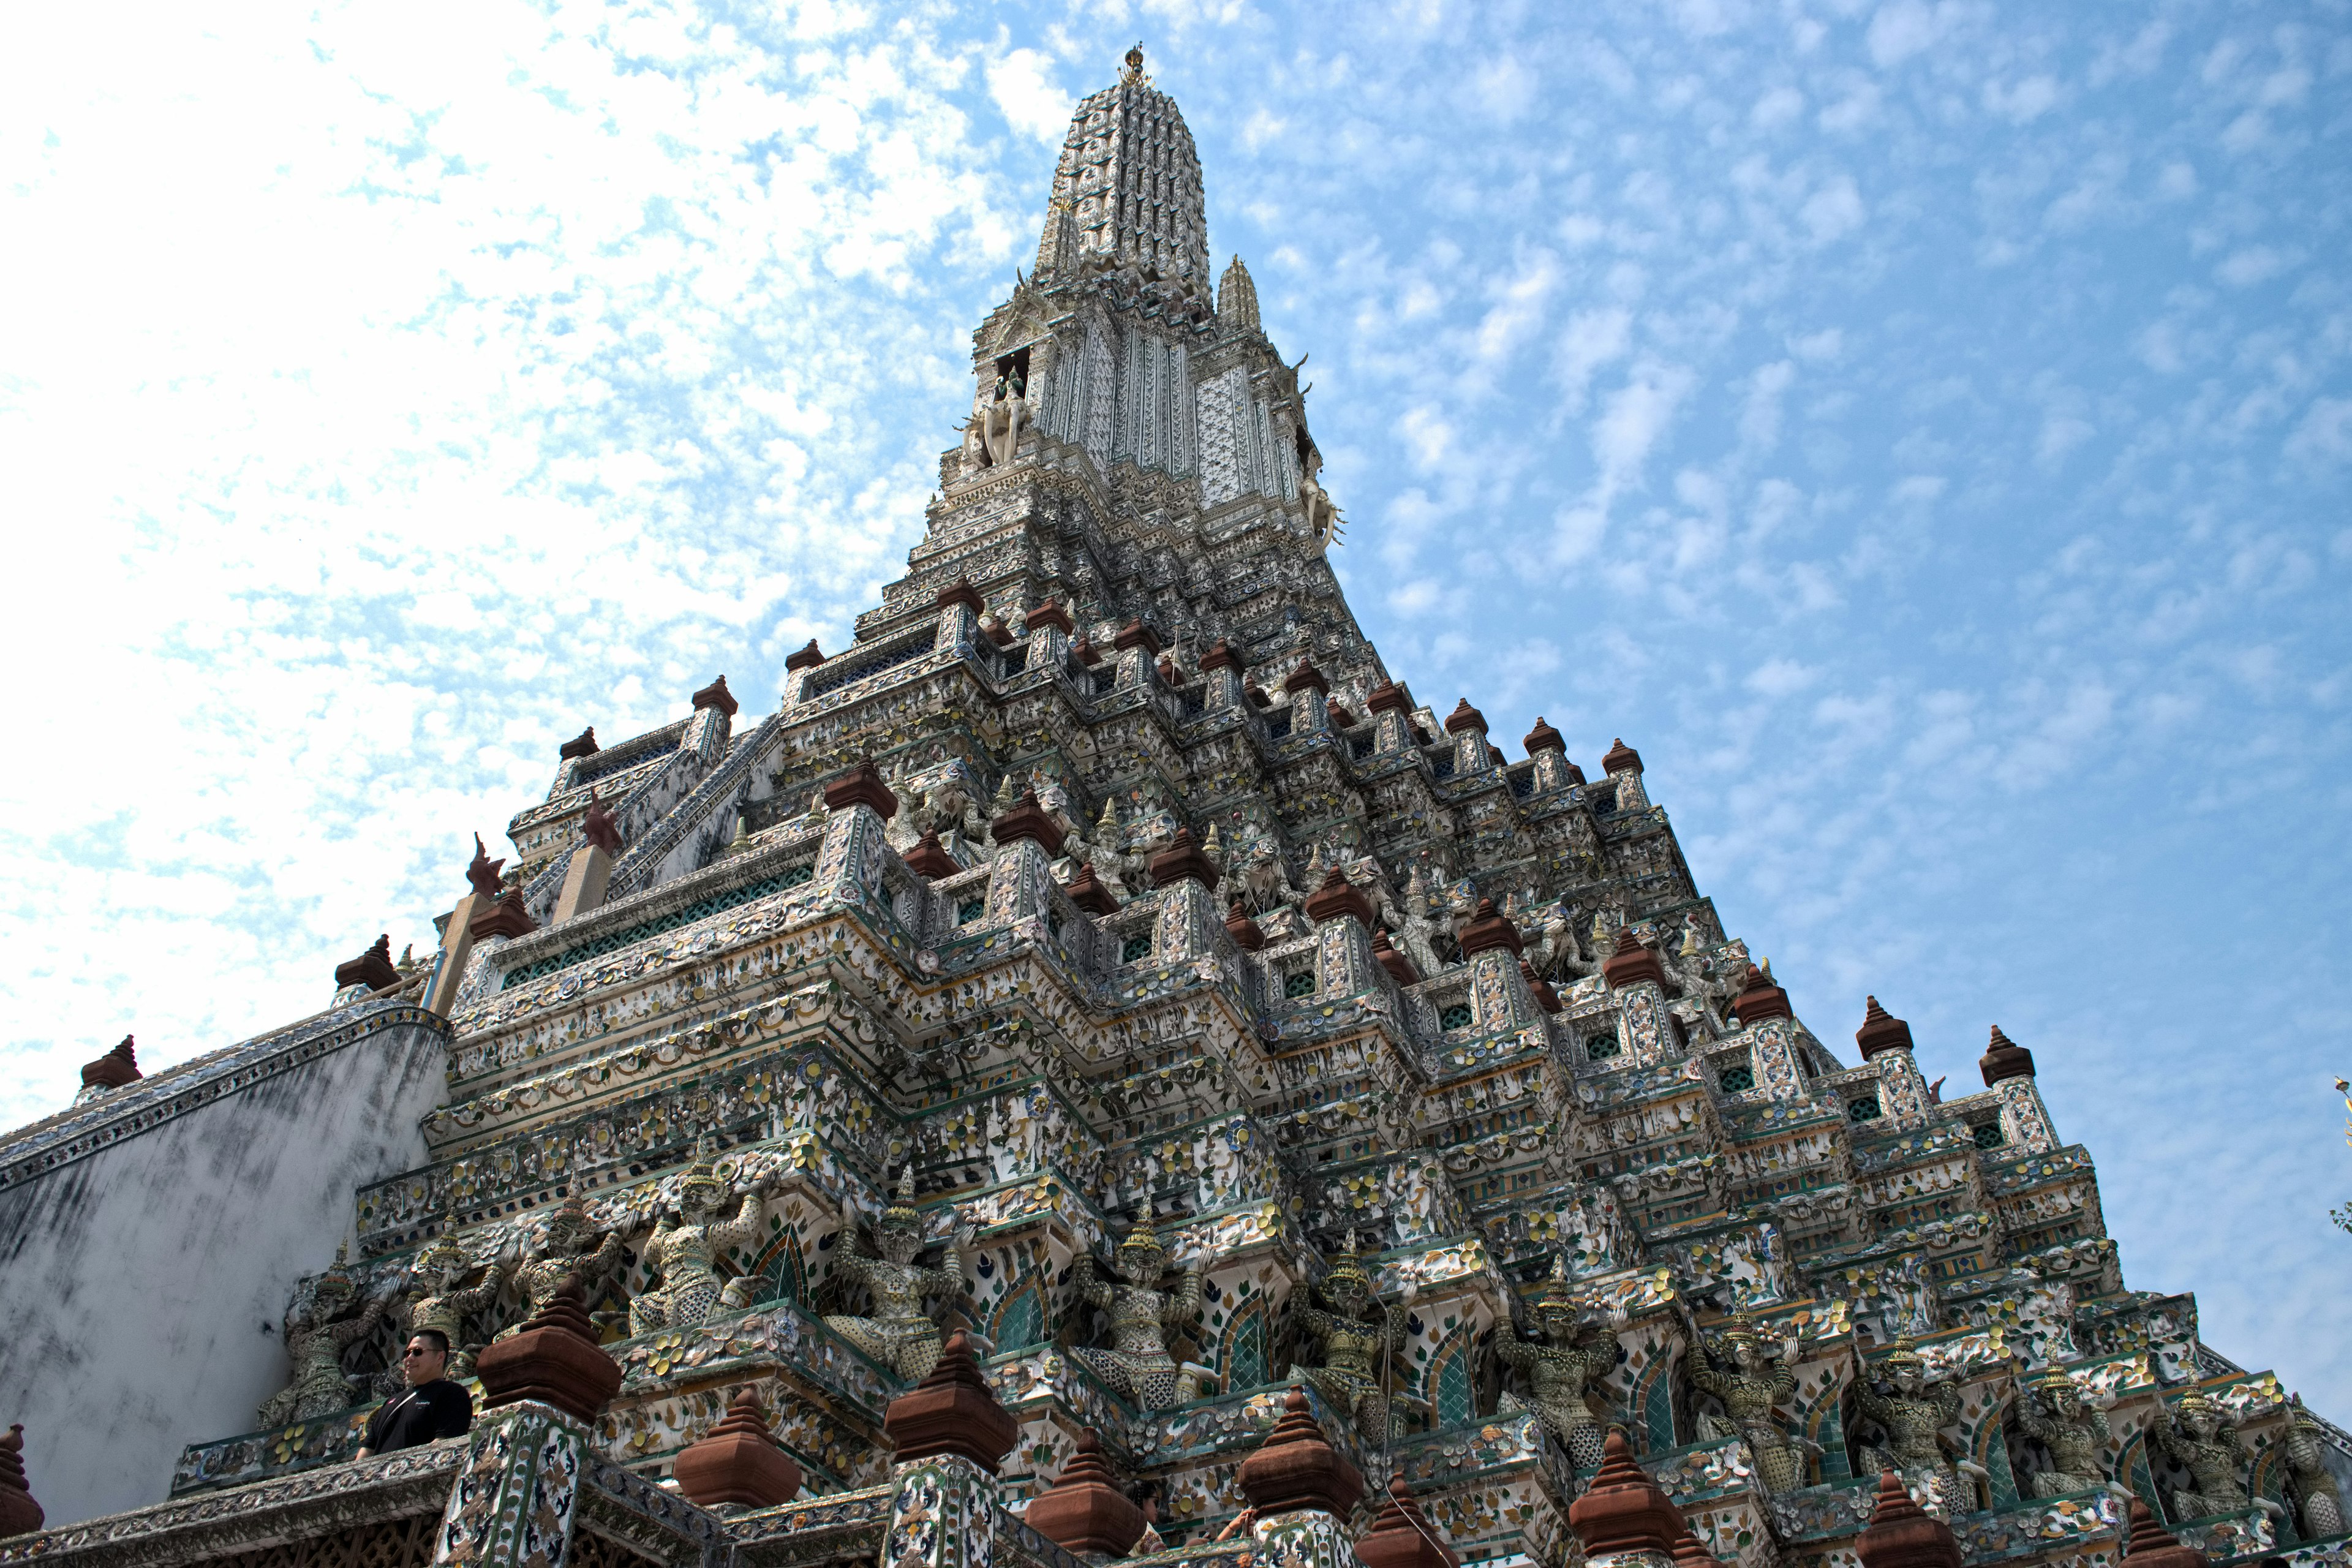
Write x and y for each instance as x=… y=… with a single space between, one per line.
x=413 y=1351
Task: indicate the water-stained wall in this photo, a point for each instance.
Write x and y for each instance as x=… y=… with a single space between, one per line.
x=147 y=1241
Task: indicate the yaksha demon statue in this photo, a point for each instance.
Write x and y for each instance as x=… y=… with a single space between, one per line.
x=436 y=1298
x=1575 y=1350
x=317 y=1335
x=2054 y=1413
x=1738 y=1368
x=569 y=1246
x=1357 y=1333
x=2199 y=1435
x=1914 y=1414
x=899 y=1334
x=1138 y=1366
x=686 y=1250
x=2314 y=1485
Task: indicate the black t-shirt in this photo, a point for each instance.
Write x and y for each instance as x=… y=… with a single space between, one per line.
x=437 y=1409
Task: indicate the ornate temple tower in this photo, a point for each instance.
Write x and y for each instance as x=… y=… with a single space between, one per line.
x=1102 y=1044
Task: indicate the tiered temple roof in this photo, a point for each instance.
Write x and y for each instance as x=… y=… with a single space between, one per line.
x=1107 y=880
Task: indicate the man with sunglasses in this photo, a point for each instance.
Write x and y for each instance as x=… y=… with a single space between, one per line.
x=430 y=1406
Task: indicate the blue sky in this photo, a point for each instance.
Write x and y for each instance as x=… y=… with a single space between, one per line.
x=1922 y=429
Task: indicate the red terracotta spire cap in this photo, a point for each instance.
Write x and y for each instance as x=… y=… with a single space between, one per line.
x=1759 y=999
x=1622 y=1509
x=1084 y=1510
x=1049 y=613
x=1631 y=962
x=738 y=1461
x=19 y=1514
x=1135 y=633
x=372 y=968
x=1337 y=897
x=1487 y=929
x=1389 y=698
x=1539 y=988
x=863 y=786
x=1243 y=930
x=1221 y=656
x=1305 y=676
x=808 y=657
x=1087 y=892
x=1183 y=860
x=1296 y=1467
x=1903 y=1536
x=929 y=858
x=115 y=1069
x=505 y=917
x=2004 y=1059
x=1084 y=648
x=1029 y=820
x=716 y=695
x=555 y=1360
x=2153 y=1546
x=1400 y=968
x=951 y=1411
x=961 y=592
x=1880 y=1030
x=1544 y=738
x=1402 y=1537
x=1464 y=717
x=1622 y=759
x=1689 y=1553
x=583 y=744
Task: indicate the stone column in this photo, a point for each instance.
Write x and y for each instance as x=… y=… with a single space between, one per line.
x=797 y=669
x=1189 y=919
x=1138 y=645
x=1499 y=998
x=1049 y=628
x=1623 y=765
x=949 y=1433
x=849 y=861
x=1762 y=1010
x=1549 y=750
x=1468 y=728
x=1392 y=707
x=959 y=611
x=1027 y=839
x=1310 y=697
x=1624 y=1519
x=1885 y=1040
x=518 y=1495
x=2008 y=1070
x=1224 y=669
x=1344 y=963
x=1637 y=983
x=714 y=716
x=456 y=947
x=592 y=864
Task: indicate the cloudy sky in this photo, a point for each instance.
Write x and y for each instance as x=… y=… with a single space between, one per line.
x=1922 y=429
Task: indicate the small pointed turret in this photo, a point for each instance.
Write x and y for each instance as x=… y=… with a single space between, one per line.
x=1237 y=299
x=115 y=1069
x=2004 y=1059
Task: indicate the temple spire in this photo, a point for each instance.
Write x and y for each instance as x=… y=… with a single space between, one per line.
x=1130 y=182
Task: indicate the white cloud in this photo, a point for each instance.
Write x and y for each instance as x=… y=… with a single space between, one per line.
x=1901 y=29
x=1021 y=84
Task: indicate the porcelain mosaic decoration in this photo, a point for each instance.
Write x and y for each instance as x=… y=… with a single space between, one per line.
x=1109 y=955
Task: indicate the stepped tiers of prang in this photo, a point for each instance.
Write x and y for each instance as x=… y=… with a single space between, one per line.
x=1101 y=1067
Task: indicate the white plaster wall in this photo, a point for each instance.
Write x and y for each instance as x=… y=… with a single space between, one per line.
x=141 y=1287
